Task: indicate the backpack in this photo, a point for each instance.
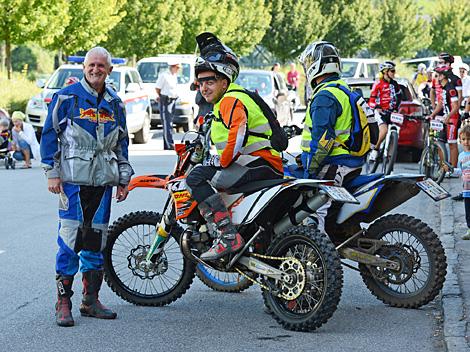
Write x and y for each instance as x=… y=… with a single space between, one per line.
x=279 y=140
x=364 y=132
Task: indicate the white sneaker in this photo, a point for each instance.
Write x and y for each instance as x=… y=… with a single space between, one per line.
x=373 y=155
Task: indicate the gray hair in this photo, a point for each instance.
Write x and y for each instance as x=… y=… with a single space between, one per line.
x=98 y=50
x=4 y=122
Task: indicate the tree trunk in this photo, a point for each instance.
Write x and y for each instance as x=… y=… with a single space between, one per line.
x=2 y=56
x=8 y=58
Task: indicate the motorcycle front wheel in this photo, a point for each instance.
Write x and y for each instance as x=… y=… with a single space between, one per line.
x=418 y=250
x=322 y=278
x=130 y=276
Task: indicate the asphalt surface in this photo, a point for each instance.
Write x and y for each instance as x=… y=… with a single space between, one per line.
x=202 y=320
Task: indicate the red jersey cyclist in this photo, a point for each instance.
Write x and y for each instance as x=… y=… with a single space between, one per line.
x=385 y=98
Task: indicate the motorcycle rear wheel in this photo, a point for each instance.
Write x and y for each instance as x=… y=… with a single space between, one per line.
x=126 y=273
x=422 y=262
x=223 y=281
x=322 y=291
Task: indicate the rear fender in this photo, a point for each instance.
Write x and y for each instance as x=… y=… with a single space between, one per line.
x=148 y=181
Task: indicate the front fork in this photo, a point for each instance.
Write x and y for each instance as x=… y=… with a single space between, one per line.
x=162 y=231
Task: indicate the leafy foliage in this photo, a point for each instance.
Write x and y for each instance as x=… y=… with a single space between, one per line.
x=294 y=24
x=450 y=27
x=23 y=55
x=355 y=25
x=150 y=27
x=402 y=32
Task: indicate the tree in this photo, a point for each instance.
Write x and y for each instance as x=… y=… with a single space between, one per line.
x=450 y=27
x=402 y=32
x=294 y=24
x=354 y=26
x=24 y=21
x=23 y=55
x=90 y=23
x=150 y=27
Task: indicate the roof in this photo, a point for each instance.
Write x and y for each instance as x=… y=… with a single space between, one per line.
x=115 y=68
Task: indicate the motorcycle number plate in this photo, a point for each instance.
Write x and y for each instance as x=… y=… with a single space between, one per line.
x=433 y=190
x=436 y=125
x=396 y=118
x=339 y=194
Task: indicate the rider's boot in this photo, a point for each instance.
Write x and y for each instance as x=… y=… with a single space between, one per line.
x=228 y=239
x=63 y=307
x=91 y=305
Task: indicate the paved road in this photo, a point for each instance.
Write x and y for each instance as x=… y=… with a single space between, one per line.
x=201 y=319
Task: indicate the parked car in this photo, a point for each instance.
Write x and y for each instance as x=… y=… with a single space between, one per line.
x=432 y=62
x=186 y=109
x=412 y=131
x=125 y=80
x=272 y=88
x=359 y=68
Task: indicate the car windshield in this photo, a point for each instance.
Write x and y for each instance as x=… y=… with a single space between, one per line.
x=149 y=71
x=256 y=81
x=348 y=68
x=60 y=77
x=363 y=89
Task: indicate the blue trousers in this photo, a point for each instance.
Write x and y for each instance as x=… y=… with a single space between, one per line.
x=167 y=107
x=84 y=213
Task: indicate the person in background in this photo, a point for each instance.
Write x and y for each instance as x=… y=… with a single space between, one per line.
x=463 y=71
x=24 y=141
x=166 y=88
x=84 y=150
x=464 y=171
x=293 y=77
x=420 y=76
x=276 y=67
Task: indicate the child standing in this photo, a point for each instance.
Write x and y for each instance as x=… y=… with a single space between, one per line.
x=464 y=166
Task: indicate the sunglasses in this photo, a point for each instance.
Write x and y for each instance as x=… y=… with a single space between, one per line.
x=392 y=71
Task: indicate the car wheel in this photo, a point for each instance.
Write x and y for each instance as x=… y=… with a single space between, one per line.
x=143 y=135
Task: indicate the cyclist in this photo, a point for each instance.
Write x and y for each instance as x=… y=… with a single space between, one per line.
x=448 y=107
x=420 y=76
x=385 y=98
x=240 y=133
x=445 y=59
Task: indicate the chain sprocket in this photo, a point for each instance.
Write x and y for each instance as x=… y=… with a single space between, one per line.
x=292 y=267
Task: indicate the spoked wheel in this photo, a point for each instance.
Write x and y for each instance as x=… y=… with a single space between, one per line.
x=313 y=291
x=431 y=163
x=389 y=159
x=223 y=281
x=420 y=254
x=134 y=279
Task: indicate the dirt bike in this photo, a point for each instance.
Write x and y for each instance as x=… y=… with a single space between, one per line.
x=151 y=260
x=400 y=258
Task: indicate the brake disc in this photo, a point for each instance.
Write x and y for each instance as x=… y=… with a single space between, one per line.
x=140 y=267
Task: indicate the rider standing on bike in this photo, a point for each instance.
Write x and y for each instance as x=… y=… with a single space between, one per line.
x=242 y=157
x=448 y=107
x=329 y=116
x=385 y=98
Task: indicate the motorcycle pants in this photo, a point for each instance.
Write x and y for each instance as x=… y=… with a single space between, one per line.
x=84 y=213
x=202 y=181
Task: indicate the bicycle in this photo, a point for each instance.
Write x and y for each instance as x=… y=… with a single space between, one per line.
x=388 y=151
x=434 y=159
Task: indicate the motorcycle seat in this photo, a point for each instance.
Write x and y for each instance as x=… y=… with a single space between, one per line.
x=361 y=180
x=254 y=186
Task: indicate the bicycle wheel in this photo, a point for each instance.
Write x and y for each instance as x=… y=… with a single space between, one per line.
x=391 y=155
x=431 y=163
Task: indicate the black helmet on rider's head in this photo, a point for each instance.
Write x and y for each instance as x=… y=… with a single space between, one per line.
x=216 y=57
x=446 y=57
x=318 y=59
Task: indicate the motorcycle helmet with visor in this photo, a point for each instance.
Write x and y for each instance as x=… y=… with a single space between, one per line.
x=319 y=58
x=216 y=57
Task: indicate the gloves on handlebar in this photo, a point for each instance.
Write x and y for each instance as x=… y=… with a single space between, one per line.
x=212 y=160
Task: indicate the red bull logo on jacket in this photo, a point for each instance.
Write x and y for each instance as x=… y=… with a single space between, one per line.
x=91 y=115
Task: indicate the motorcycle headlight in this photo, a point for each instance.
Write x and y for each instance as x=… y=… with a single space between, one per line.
x=36 y=102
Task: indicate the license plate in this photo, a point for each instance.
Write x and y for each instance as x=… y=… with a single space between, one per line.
x=396 y=118
x=433 y=190
x=436 y=125
x=439 y=118
x=339 y=194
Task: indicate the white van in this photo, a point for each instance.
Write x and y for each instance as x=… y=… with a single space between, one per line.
x=359 y=68
x=432 y=62
x=151 y=67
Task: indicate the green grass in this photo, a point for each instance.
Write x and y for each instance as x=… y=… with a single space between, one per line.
x=15 y=93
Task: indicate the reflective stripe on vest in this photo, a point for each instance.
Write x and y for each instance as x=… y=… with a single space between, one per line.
x=342 y=125
x=257 y=123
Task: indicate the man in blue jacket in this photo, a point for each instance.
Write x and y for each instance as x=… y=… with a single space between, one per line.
x=84 y=153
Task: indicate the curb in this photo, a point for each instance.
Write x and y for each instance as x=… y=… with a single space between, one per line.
x=451 y=295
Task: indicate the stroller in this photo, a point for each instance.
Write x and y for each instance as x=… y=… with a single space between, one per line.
x=5 y=139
